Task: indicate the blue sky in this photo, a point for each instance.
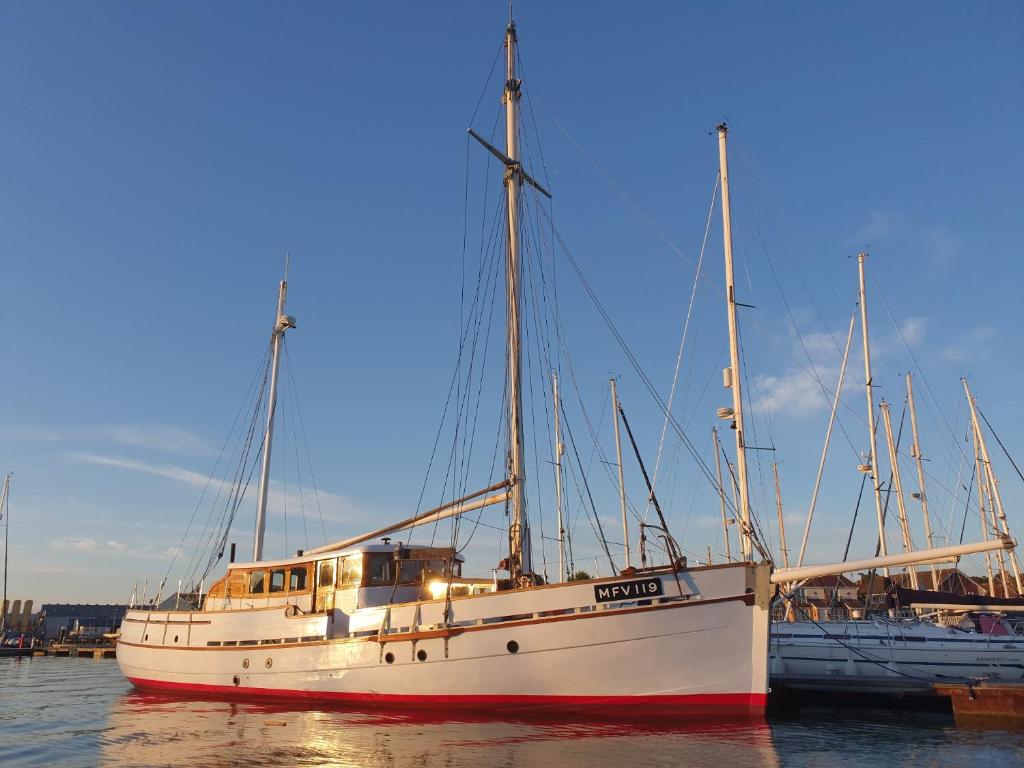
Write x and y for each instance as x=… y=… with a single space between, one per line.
x=159 y=160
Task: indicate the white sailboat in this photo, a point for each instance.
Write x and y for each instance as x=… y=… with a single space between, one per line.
x=370 y=622
x=877 y=653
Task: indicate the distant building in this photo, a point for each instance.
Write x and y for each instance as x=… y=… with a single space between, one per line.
x=828 y=598
x=60 y=619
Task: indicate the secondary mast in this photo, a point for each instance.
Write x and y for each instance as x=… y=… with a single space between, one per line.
x=733 y=378
x=559 y=450
x=915 y=451
x=519 y=560
x=997 y=497
x=622 y=483
x=876 y=480
x=282 y=323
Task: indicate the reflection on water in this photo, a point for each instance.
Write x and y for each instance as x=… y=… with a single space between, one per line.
x=79 y=712
x=158 y=731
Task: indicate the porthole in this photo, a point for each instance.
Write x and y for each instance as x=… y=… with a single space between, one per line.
x=421 y=655
x=389 y=657
x=175 y=638
x=236 y=680
x=144 y=639
x=245 y=663
x=513 y=646
x=269 y=662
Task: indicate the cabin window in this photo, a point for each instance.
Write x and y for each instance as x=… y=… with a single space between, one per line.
x=350 y=572
x=256 y=582
x=297 y=580
x=326 y=574
x=410 y=571
x=380 y=570
x=277 y=580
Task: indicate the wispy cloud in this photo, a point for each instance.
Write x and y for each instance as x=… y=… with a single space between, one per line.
x=972 y=346
x=334 y=507
x=74 y=545
x=796 y=392
x=166 y=438
x=934 y=241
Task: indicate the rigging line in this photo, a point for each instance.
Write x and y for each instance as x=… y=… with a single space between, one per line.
x=948 y=519
x=494 y=462
x=207 y=539
x=533 y=119
x=910 y=351
x=481 y=299
x=257 y=388
x=298 y=472
x=530 y=371
x=1008 y=456
x=284 y=475
x=635 y=363
x=294 y=391
x=618 y=190
x=457 y=467
x=451 y=388
x=213 y=472
x=757 y=455
x=596 y=521
x=682 y=341
x=748 y=161
x=467 y=451
x=967 y=506
x=659 y=232
x=853 y=523
x=789 y=313
x=487 y=82
x=233 y=498
x=220 y=551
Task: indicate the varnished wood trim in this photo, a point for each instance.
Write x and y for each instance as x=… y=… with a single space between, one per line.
x=164 y=621
x=747 y=599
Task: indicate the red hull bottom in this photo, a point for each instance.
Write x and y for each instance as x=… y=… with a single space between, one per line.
x=695 y=705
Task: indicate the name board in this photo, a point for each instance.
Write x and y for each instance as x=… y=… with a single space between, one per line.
x=627 y=590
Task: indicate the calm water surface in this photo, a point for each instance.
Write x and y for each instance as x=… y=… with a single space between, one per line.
x=79 y=712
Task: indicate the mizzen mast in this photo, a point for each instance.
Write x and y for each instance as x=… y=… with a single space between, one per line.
x=732 y=376
x=282 y=323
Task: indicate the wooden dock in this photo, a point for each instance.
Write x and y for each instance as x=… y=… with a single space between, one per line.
x=962 y=697
x=1004 y=701
x=74 y=651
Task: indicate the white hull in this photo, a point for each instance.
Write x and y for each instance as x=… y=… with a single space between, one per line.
x=879 y=649
x=700 y=646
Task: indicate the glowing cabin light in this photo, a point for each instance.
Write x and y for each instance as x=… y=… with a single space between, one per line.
x=438 y=589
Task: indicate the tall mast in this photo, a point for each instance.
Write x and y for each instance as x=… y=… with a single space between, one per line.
x=778 y=509
x=733 y=378
x=519 y=561
x=897 y=486
x=721 y=495
x=876 y=479
x=5 y=510
x=282 y=323
x=915 y=451
x=993 y=486
x=622 y=484
x=828 y=438
x=559 y=449
x=981 y=514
